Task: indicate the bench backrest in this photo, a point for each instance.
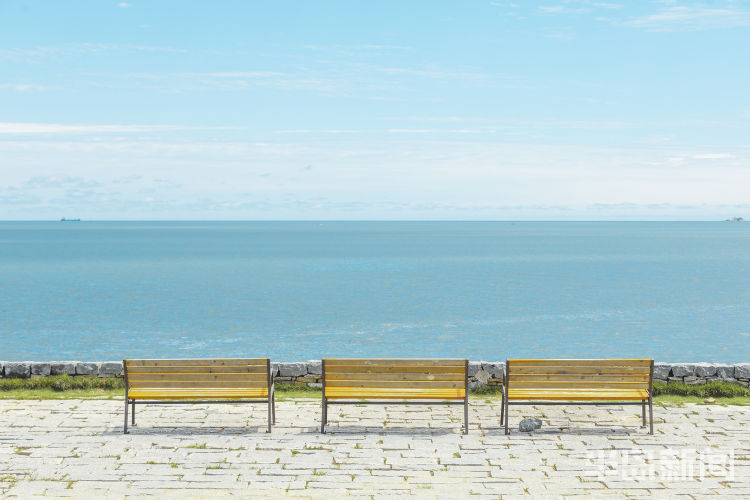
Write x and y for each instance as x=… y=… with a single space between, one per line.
x=407 y=374
x=197 y=373
x=560 y=374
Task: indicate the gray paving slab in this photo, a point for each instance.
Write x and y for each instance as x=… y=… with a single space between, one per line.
x=76 y=449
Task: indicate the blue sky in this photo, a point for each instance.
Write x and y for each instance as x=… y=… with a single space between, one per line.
x=374 y=110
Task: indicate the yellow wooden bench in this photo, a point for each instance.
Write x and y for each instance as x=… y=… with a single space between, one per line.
x=583 y=381
x=172 y=381
x=407 y=381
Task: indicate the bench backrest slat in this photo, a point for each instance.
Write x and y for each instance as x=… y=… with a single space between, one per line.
x=560 y=374
x=197 y=373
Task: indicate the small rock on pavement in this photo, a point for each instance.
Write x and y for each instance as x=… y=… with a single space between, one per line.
x=529 y=424
x=709 y=400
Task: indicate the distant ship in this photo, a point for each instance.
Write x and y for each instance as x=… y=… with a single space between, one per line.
x=735 y=219
x=69 y=220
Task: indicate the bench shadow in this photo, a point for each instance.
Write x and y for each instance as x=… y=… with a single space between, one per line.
x=576 y=431
x=395 y=430
x=190 y=431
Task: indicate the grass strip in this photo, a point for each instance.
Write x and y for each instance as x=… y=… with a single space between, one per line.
x=82 y=387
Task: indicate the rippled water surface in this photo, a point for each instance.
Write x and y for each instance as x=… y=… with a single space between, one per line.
x=302 y=290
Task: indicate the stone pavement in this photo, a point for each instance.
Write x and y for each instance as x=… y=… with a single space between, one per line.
x=75 y=448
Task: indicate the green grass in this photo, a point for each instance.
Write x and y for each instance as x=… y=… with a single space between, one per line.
x=83 y=387
x=708 y=390
x=61 y=383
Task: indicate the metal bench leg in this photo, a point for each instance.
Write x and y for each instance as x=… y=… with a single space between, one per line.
x=324 y=417
x=466 y=415
x=650 y=415
x=502 y=409
x=125 y=427
x=270 y=415
x=643 y=412
x=507 y=410
x=132 y=409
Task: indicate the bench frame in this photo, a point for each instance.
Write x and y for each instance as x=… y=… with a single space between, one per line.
x=506 y=404
x=270 y=400
x=326 y=402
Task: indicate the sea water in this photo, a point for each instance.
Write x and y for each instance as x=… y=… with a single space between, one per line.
x=304 y=290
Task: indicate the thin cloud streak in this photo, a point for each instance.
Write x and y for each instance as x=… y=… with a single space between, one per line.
x=14 y=128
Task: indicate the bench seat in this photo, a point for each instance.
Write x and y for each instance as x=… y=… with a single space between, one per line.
x=578 y=394
x=406 y=381
x=578 y=381
x=219 y=380
x=392 y=393
x=202 y=393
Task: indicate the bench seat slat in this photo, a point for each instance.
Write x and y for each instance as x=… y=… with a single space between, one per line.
x=392 y=393
x=198 y=377
x=195 y=393
x=156 y=384
x=577 y=394
x=608 y=377
x=579 y=384
x=581 y=370
x=407 y=384
x=454 y=377
x=383 y=369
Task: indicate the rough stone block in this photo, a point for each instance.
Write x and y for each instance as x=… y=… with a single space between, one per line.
x=683 y=370
x=661 y=380
x=40 y=369
x=110 y=369
x=725 y=371
x=308 y=378
x=661 y=370
x=314 y=367
x=482 y=377
x=2 y=369
x=742 y=371
x=694 y=380
x=87 y=368
x=474 y=367
x=292 y=369
x=674 y=379
x=275 y=369
x=63 y=367
x=17 y=369
x=529 y=424
x=705 y=370
x=317 y=385
x=496 y=369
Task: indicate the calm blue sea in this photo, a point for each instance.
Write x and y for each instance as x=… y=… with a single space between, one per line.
x=304 y=290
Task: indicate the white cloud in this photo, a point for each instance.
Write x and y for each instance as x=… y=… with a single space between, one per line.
x=713 y=156
x=57 y=128
x=124 y=5
x=26 y=87
x=78 y=49
x=682 y=18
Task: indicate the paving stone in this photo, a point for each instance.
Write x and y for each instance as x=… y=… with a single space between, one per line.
x=221 y=450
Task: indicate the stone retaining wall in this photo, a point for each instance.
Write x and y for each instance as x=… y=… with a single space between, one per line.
x=309 y=372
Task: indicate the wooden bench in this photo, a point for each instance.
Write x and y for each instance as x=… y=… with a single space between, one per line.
x=409 y=381
x=173 y=381
x=579 y=381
